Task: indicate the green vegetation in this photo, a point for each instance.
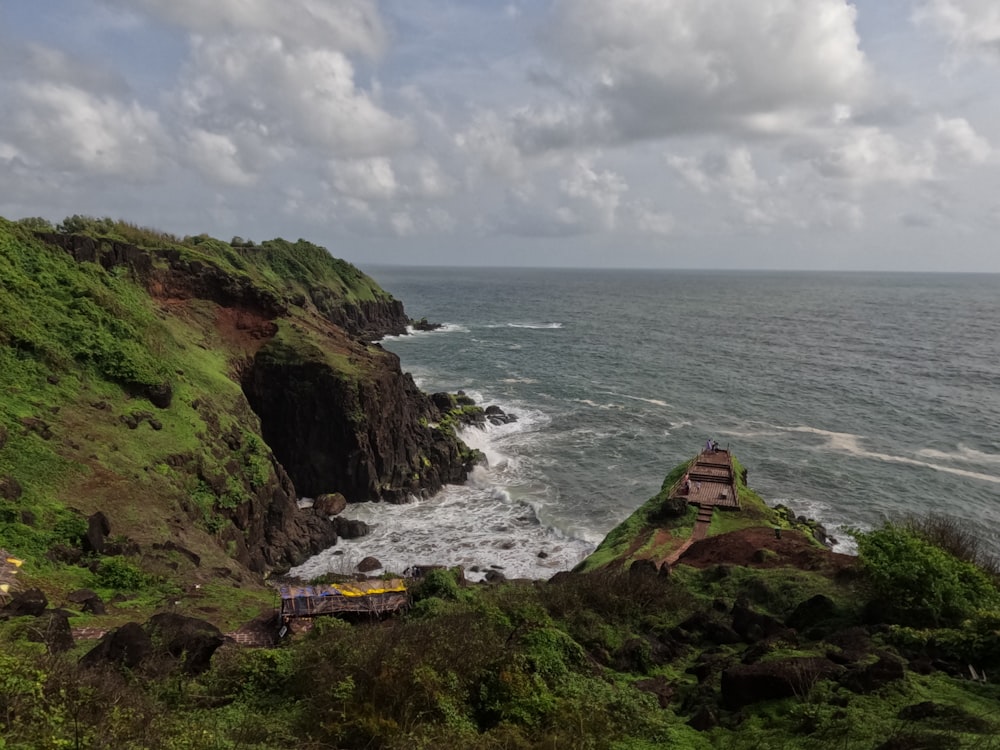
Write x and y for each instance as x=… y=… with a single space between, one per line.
x=605 y=657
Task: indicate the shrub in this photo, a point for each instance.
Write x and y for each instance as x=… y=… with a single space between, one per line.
x=119 y=574
x=925 y=583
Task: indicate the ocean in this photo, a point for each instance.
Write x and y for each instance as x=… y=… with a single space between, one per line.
x=850 y=397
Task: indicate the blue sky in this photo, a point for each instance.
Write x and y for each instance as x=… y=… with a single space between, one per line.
x=798 y=134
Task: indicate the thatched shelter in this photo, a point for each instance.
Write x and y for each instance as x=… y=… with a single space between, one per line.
x=9 y=566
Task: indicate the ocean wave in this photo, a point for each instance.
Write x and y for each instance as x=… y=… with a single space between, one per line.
x=536 y=326
x=850 y=444
x=653 y=401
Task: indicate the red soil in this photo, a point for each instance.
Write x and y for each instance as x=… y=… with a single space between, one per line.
x=744 y=547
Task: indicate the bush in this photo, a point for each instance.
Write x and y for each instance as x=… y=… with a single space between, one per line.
x=925 y=583
x=119 y=574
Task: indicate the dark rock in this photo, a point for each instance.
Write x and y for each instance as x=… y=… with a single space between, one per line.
x=52 y=628
x=156 y=424
x=88 y=601
x=704 y=719
x=753 y=626
x=369 y=564
x=350 y=529
x=189 y=639
x=10 y=488
x=98 y=528
x=854 y=644
x=658 y=686
x=171 y=546
x=494 y=576
x=28 y=603
x=62 y=553
x=330 y=504
x=542 y=554
x=127 y=646
x=494 y=411
x=37 y=426
x=746 y=684
x=136 y=418
x=872 y=677
x=160 y=395
x=812 y=612
x=671 y=507
x=443 y=401
x=28 y=518
x=424 y=325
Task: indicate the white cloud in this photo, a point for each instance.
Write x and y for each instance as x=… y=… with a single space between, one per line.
x=597 y=193
x=351 y=26
x=958 y=141
x=973 y=26
x=295 y=95
x=65 y=127
x=655 y=69
x=869 y=155
x=368 y=179
x=216 y=156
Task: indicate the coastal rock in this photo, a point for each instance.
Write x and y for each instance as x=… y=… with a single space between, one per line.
x=746 y=684
x=127 y=646
x=88 y=601
x=350 y=529
x=368 y=564
x=28 y=603
x=330 y=504
x=98 y=528
x=52 y=628
x=424 y=325
x=868 y=679
x=811 y=613
x=10 y=488
x=658 y=686
x=188 y=639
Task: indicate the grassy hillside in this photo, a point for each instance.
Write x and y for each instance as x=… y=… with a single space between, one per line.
x=122 y=390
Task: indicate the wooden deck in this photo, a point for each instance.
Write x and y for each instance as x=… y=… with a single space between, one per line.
x=713 y=484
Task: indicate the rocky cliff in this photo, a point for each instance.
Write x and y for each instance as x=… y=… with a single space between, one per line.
x=193 y=389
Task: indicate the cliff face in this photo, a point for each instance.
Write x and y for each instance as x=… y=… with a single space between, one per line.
x=229 y=381
x=363 y=432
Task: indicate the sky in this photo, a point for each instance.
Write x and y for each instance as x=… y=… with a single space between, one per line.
x=734 y=134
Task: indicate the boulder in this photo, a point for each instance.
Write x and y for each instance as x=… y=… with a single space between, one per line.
x=746 y=684
x=369 y=564
x=28 y=603
x=88 y=601
x=350 y=529
x=811 y=613
x=868 y=679
x=52 y=628
x=443 y=401
x=658 y=686
x=189 y=639
x=494 y=576
x=754 y=626
x=330 y=504
x=127 y=646
x=704 y=719
x=98 y=528
x=10 y=488
x=160 y=395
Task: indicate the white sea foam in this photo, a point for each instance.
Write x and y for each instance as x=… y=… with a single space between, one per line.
x=849 y=443
x=491 y=521
x=962 y=453
x=412 y=332
x=653 y=401
x=535 y=326
x=825 y=514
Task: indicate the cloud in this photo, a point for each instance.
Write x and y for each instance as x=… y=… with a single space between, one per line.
x=368 y=179
x=351 y=26
x=957 y=140
x=216 y=156
x=972 y=26
x=297 y=96
x=652 y=69
x=68 y=128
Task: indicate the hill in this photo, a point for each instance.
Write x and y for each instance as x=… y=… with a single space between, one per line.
x=164 y=401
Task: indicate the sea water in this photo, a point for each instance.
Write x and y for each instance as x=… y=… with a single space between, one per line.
x=851 y=398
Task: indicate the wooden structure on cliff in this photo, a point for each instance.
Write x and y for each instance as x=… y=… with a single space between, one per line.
x=375 y=598
x=711 y=482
